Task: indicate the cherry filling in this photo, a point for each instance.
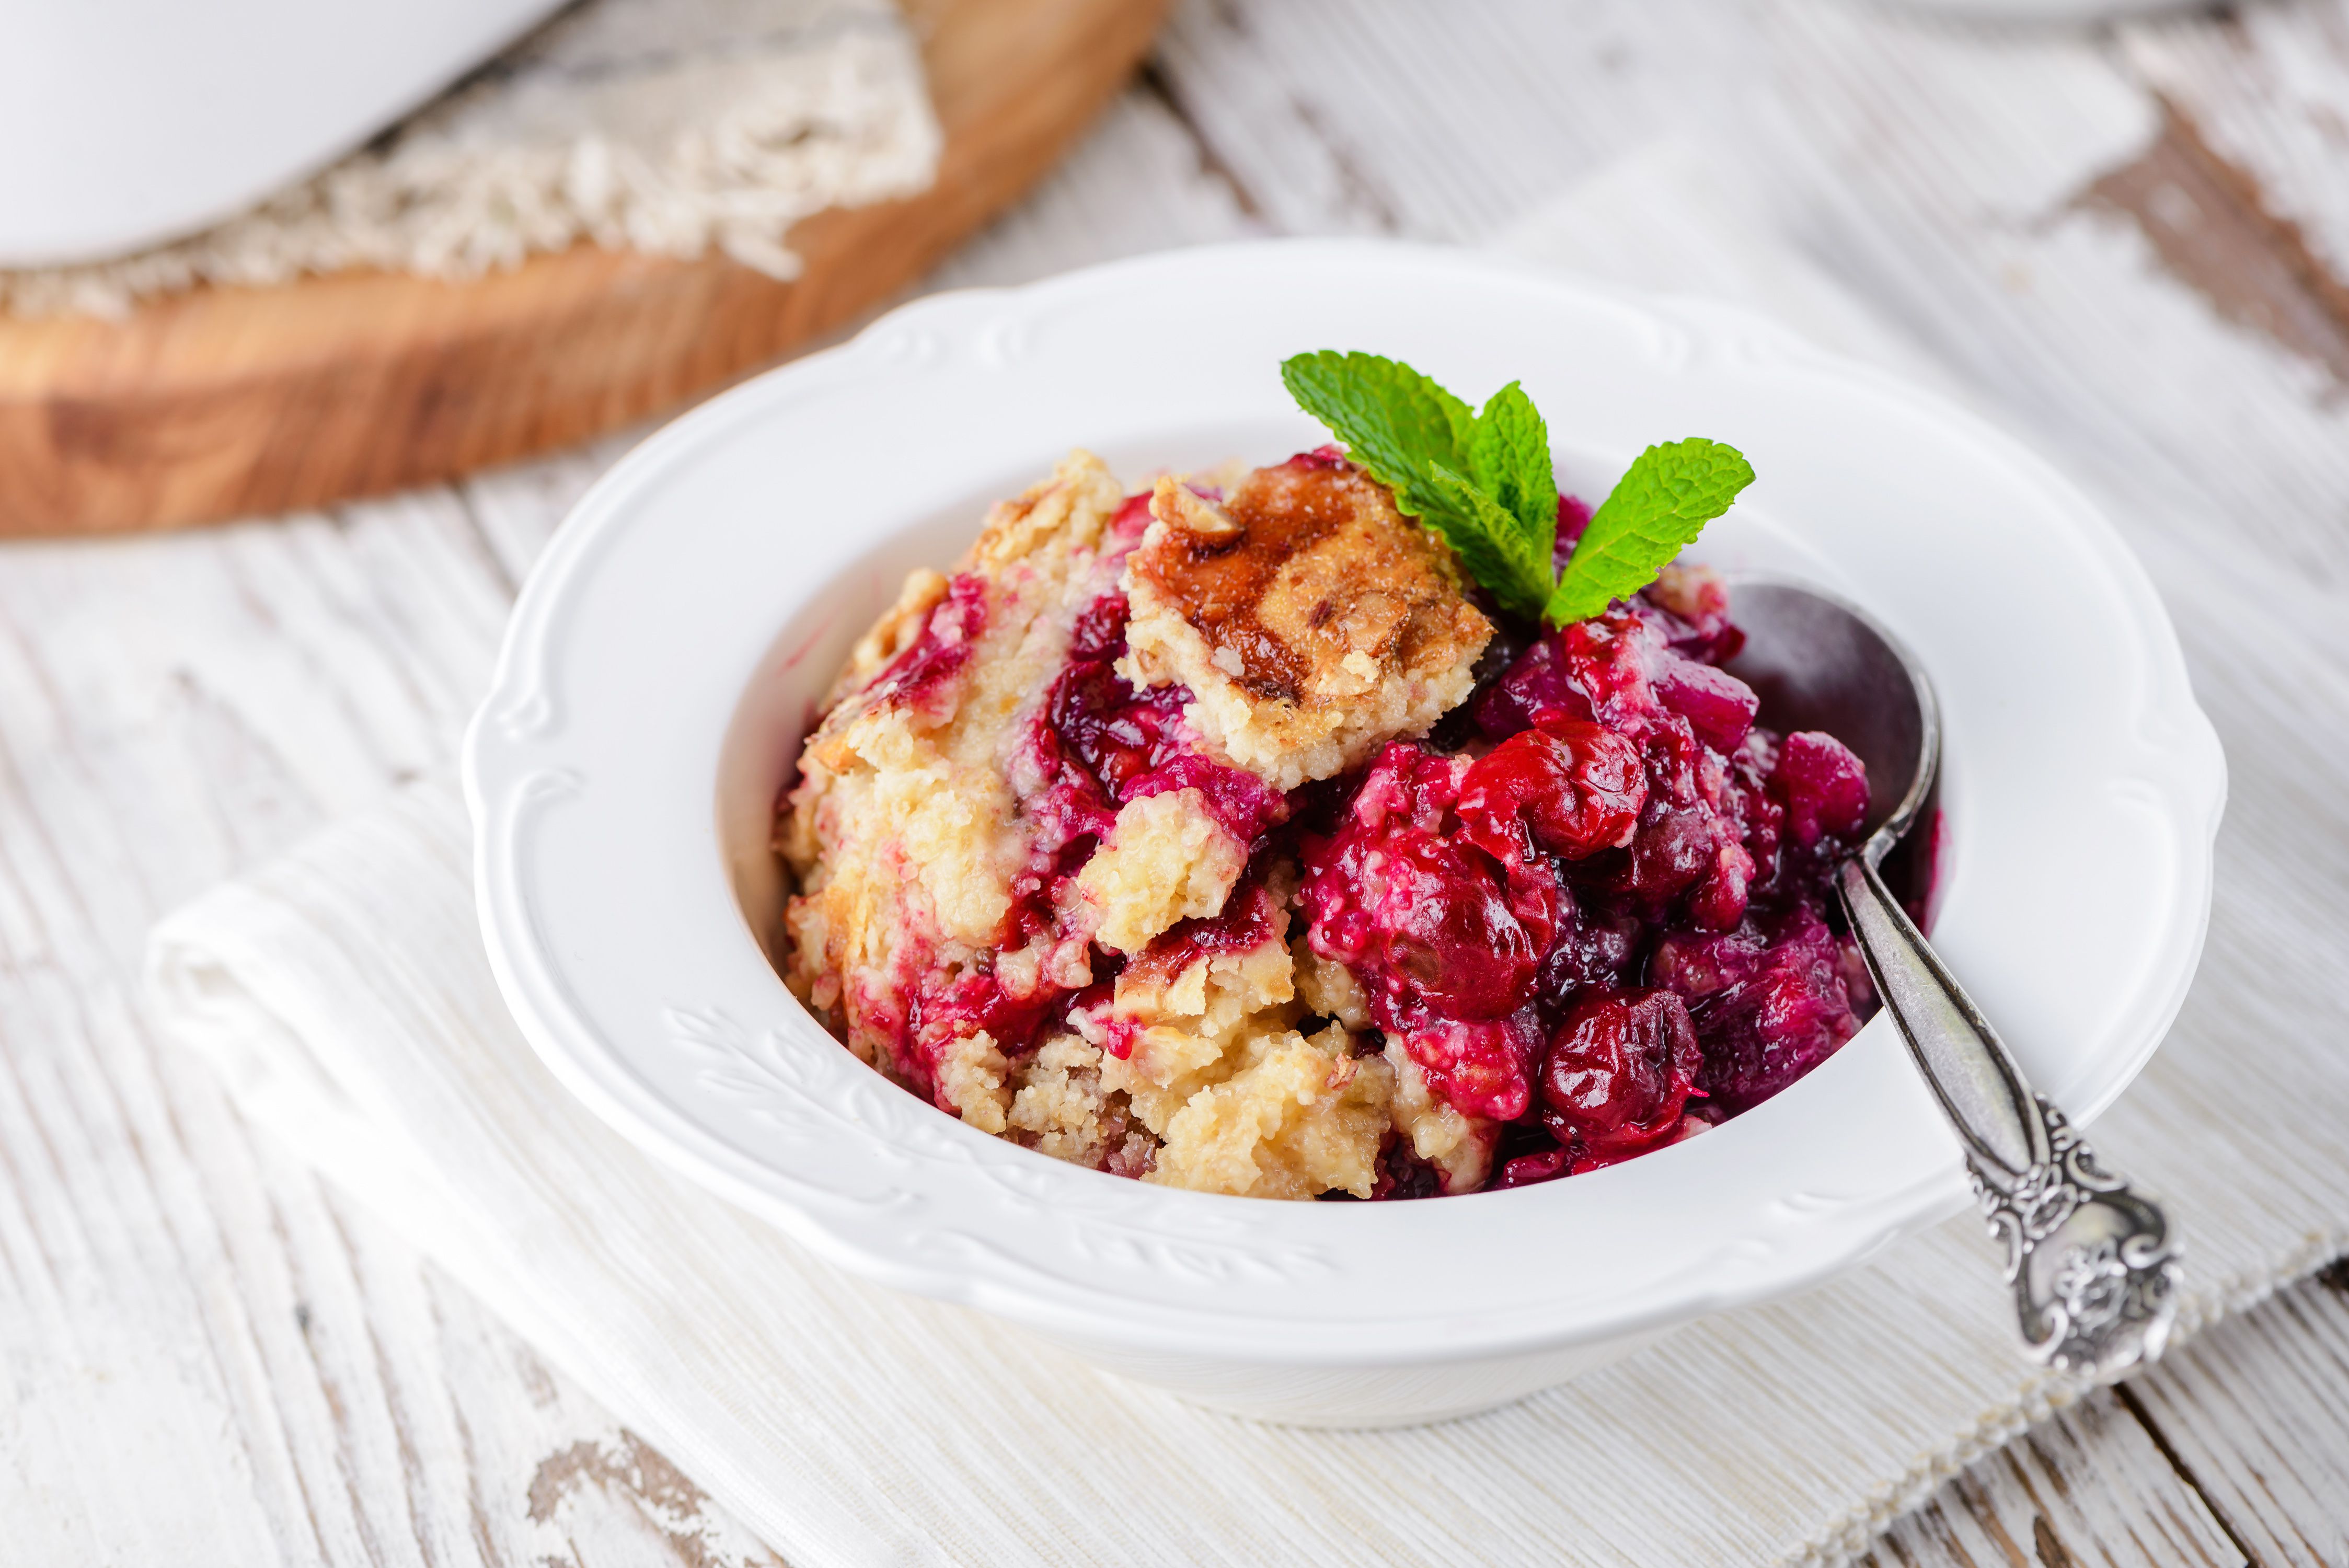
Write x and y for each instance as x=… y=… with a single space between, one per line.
x=1604 y=920
x=916 y=676
x=1573 y=517
x=1821 y=786
x=1100 y=743
x=1245 y=921
x=1565 y=788
x=1447 y=949
x=1770 y=1000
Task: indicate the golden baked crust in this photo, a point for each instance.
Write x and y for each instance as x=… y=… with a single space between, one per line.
x=1214 y=1064
x=1312 y=622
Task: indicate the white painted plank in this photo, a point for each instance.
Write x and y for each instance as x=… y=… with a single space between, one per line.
x=516 y=509
x=2270 y=87
x=1443 y=122
x=2087 y=1490
x=2258 y=1415
x=2064 y=318
x=167 y=712
x=212 y=1361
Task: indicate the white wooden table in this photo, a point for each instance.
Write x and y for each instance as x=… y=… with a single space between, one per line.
x=2133 y=242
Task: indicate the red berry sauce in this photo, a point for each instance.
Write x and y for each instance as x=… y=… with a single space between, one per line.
x=1603 y=920
x=917 y=674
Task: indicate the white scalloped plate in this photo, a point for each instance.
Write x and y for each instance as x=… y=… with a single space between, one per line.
x=669 y=648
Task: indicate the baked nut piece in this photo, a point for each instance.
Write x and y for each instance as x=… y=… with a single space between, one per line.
x=1128 y=842
x=1310 y=621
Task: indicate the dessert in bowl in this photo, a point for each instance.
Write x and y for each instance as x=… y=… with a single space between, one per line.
x=679 y=642
x=1239 y=841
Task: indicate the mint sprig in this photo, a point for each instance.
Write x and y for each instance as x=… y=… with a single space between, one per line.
x=1485 y=481
x=1491 y=541
x=1658 y=507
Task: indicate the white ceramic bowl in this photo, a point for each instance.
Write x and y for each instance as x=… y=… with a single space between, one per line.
x=667 y=652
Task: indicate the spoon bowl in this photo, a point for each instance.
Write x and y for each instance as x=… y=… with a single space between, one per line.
x=1819 y=661
x=2093 y=1263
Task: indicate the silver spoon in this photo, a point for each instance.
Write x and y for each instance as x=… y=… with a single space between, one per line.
x=2093 y=1263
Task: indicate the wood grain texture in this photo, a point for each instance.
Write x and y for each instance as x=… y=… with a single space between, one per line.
x=2089 y=1488
x=212 y=1362
x=2206 y=220
x=2267 y=86
x=224 y=401
x=2258 y=1417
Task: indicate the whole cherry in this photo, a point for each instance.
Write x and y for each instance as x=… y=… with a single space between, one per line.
x=1619 y=1070
x=1576 y=786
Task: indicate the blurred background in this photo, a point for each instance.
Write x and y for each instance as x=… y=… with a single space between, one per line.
x=265 y=255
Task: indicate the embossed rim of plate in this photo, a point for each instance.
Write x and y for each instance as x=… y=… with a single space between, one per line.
x=2083 y=790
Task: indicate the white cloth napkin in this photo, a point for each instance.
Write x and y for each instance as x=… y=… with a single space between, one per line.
x=344 y=994
x=673 y=127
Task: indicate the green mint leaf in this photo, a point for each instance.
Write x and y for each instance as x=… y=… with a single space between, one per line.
x=1658 y=507
x=1509 y=456
x=1394 y=420
x=1491 y=541
x=1483 y=481
x=1467 y=477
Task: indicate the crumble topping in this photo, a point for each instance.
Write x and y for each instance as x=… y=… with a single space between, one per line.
x=1167 y=860
x=1459 y=1146
x=1311 y=622
x=1216 y=1065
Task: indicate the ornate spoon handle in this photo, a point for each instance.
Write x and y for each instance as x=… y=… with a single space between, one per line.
x=2093 y=1263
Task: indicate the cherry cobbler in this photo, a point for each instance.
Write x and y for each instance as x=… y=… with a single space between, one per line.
x=1224 y=836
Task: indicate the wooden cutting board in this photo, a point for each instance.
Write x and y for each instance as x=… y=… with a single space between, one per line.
x=232 y=402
